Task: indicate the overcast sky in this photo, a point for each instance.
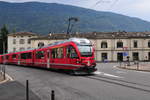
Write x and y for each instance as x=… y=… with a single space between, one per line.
x=133 y=8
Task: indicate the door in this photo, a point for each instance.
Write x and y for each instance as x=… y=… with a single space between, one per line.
x=135 y=56
x=40 y=58
x=18 y=59
x=72 y=55
x=119 y=56
x=104 y=57
x=48 y=59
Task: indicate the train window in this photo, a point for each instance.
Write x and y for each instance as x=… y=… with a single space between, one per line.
x=7 y=57
x=14 y=56
x=2 y=57
x=57 y=53
x=85 y=51
x=23 y=56
x=60 y=53
x=40 y=54
x=26 y=55
x=48 y=54
x=71 y=52
x=54 y=53
x=29 y=55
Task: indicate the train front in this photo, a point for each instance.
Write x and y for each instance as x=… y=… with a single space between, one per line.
x=86 y=52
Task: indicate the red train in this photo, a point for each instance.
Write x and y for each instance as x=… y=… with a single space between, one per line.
x=75 y=55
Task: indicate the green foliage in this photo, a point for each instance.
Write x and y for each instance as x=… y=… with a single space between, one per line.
x=4 y=32
x=3 y=39
x=50 y=17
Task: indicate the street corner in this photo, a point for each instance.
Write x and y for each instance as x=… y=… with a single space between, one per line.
x=5 y=78
x=18 y=93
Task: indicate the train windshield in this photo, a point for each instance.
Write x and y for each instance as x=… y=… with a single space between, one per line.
x=86 y=51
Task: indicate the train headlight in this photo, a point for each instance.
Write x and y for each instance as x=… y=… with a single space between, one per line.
x=88 y=63
x=78 y=61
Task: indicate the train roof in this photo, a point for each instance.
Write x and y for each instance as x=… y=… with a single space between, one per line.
x=78 y=41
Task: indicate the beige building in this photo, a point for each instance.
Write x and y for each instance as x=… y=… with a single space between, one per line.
x=19 y=41
x=109 y=46
x=112 y=46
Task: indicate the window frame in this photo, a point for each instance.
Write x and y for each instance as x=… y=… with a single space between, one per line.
x=104 y=44
x=119 y=44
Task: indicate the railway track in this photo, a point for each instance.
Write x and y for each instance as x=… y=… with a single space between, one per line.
x=124 y=83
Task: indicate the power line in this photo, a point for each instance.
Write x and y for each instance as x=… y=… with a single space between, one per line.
x=105 y=1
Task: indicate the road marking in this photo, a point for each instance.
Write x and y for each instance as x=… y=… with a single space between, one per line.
x=106 y=74
x=121 y=72
x=143 y=72
x=114 y=66
x=8 y=78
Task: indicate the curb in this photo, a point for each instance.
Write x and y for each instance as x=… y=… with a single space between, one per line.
x=8 y=78
x=134 y=69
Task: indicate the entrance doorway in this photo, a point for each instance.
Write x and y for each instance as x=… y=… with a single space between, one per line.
x=135 y=56
x=149 y=56
x=119 y=56
x=104 y=56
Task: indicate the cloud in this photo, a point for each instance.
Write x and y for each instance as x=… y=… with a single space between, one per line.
x=135 y=8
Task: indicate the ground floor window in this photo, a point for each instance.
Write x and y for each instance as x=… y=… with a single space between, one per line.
x=104 y=56
x=135 y=56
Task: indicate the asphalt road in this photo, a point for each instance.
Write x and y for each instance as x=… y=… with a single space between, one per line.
x=108 y=83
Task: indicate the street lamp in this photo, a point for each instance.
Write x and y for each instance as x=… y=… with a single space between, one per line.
x=70 y=27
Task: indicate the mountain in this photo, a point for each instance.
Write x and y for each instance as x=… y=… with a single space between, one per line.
x=51 y=17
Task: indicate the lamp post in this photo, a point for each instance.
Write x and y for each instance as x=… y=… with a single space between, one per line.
x=69 y=24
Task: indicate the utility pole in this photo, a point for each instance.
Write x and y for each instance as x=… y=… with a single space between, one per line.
x=71 y=25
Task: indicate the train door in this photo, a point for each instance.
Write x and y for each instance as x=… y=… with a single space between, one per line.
x=58 y=60
x=48 y=58
x=19 y=59
x=72 y=55
x=40 y=58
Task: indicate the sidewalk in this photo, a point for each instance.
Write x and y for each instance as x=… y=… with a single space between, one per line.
x=15 y=91
x=142 y=66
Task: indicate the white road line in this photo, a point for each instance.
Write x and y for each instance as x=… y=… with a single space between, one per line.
x=8 y=78
x=121 y=72
x=116 y=66
x=143 y=72
x=106 y=74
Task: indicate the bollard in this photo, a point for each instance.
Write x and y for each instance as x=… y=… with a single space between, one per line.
x=27 y=90
x=120 y=63
x=52 y=95
x=137 y=65
x=4 y=70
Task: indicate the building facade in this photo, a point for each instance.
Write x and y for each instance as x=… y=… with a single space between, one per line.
x=19 y=41
x=109 y=46
x=112 y=46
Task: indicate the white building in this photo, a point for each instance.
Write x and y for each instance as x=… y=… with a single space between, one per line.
x=19 y=41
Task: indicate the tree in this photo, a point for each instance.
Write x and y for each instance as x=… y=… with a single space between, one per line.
x=3 y=38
